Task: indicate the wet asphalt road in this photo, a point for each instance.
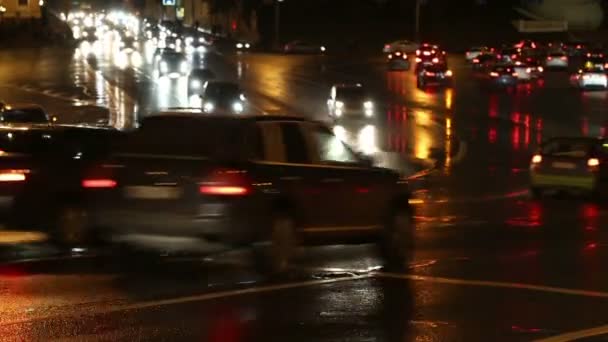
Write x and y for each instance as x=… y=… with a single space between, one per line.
x=489 y=265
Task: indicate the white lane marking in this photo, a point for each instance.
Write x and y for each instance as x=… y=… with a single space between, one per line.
x=577 y=335
x=197 y=298
x=497 y=284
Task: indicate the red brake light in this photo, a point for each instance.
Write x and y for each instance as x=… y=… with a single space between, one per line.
x=435 y=60
x=428 y=73
x=226 y=182
x=418 y=60
x=398 y=53
x=494 y=74
x=13 y=175
x=475 y=60
x=404 y=56
x=563 y=58
x=537 y=159
x=99 y=183
x=514 y=56
x=417 y=52
x=578 y=46
x=549 y=58
x=390 y=56
x=588 y=54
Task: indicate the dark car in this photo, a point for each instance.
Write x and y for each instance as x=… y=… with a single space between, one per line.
x=502 y=76
x=577 y=164
x=41 y=168
x=398 y=60
x=197 y=79
x=276 y=179
x=575 y=48
x=24 y=113
x=483 y=62
x=434 y=75
x=350 y=100
x=508 y=55
x=596 y=53
x=223 y=97
x=299 y=46
x=172 y=64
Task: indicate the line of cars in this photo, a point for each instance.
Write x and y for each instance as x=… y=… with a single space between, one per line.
x=527 y=61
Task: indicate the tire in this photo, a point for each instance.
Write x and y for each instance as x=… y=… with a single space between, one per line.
x=277 y=257
x=71 y=226
x=398 y=241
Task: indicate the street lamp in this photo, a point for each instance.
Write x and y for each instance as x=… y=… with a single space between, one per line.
x=277 y=16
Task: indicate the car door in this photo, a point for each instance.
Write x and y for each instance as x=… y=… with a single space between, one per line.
x=288 y=159
x=356 y=191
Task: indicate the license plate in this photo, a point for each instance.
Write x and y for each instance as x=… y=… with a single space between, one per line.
x=152 y=192
x=560 y=165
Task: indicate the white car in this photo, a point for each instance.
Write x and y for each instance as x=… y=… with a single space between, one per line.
x=400 y=45
x=474 y=52
x=556 y=60
x=594 y=77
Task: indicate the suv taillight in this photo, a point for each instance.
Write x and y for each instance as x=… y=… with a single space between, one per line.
x=99 y=183
x=226 y=182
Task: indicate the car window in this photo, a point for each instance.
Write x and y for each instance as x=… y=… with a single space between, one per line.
x=567 y=148
x=25 y=115
x=331 y=149
x=296 y=148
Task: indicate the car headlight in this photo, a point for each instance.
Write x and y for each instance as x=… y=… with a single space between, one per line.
x=323 y=49
x=183 y=67
x=201 y=40
x=195 y=84
x=247 y=45
x=368 y=105
x=237 y=107
x=339 y=104
x=239 y=46
x=164 y=67
x=208 y=107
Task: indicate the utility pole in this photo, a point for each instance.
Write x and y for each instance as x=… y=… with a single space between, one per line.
x=417 y=21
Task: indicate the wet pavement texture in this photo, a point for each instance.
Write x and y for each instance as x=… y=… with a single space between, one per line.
x=490 y=264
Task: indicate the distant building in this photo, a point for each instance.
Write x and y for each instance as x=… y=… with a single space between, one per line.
x=21 y=9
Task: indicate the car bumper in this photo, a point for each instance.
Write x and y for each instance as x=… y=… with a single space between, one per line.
x=587 y=182
x=353 y=113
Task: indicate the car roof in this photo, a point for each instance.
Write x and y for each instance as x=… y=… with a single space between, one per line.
x=22 y=106
x=190 y=113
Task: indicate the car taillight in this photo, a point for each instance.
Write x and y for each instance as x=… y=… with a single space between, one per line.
x=428 y=73
x=426 y=53
x=588 y=55
x=99 y=183
x=13 y=175
x=549 y=58
x=563 y=58
x=515 y=74
x=475 y=60
x=529 y=70
x=435 y=60
x=537 y=159
x=397 y=53
x=513 y=56
x=418 y=60
x=226 y=182
x=404 y=56
x=390 y=56
x=387 y=46
x=417 y=52
x=494 y=74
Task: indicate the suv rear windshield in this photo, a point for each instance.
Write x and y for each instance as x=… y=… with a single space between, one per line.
x=215 y=138
x=29 y=115
x=575 y=148
x=350 y=93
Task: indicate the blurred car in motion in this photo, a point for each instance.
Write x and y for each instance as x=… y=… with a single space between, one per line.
x=475 y=52
x=575 y=49
x=171 y=43
x=434 y=75
x=528 y=71
x=596 y=53
x=196 y=43
x=556 y=59
x=223 y=97
x=597 y=62
x=172 y=64
x=299 y=46
x=501 y=76
x=41 y=168
x=398 y=60
x=350 y=101
x=575 y=164
x=590 y=77
x=400 y=45
x=197 y=79
x=24 y=113
x=242 y=46
x=508 y=55
x=89 y=34
x=526 y=44
x=483 y=62
x=276 y=179
x=429 y=55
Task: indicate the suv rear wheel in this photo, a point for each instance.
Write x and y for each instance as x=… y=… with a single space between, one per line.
x=277 y=257
x=398 y=242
